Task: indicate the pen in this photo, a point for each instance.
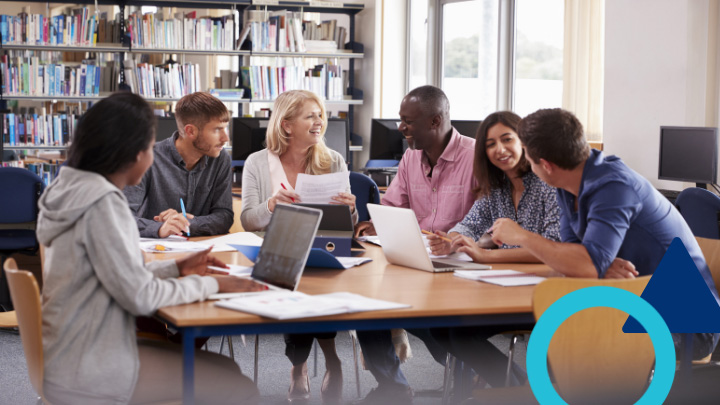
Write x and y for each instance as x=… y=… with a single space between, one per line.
x=441 y=237
x=182 y=206
x=283 y=186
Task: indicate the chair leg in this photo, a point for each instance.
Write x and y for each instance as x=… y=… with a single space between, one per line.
x=230 y=348
x=511 y=354
x=222 y=343
x=357 y=364
x=315 y=357
x=257 y=350
x=448 y=378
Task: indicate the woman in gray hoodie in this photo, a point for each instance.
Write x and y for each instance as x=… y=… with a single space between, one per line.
x=96 y=281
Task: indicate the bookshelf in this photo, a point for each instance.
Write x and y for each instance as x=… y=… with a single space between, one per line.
x=350 y=97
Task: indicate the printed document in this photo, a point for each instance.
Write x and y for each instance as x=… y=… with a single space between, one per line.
x=171 y=244
x=505 y=278
x=320 y=189
x=294 y=304
x=221 y=243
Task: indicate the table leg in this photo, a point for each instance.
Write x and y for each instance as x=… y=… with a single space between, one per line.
x=188 y=383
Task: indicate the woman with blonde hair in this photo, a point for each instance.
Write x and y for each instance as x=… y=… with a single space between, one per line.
x=295 y=144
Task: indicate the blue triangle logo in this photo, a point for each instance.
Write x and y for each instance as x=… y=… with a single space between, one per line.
x=679 y=293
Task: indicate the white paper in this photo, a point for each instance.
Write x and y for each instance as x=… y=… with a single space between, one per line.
x=506 y=278
x=235 y=270
x=293 y=304
x=348 y=262
x=319 y=189
x=170 y=246
x=221 y=243
x=375 y=240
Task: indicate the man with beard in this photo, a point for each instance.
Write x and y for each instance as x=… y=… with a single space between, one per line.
x=192 y=166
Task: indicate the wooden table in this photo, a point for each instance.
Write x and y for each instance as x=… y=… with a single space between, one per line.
x=436 y=299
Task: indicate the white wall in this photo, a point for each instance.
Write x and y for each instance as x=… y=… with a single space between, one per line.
x=658 y=70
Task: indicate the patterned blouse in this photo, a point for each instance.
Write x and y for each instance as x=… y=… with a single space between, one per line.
x=537 y=211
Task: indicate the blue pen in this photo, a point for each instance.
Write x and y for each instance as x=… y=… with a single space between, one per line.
x=182 y=206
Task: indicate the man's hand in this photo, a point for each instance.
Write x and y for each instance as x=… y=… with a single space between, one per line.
x=198 y=262
x=175 y=225
x=621 y=268
x=345 y=199
x=238 y=284
x=438 y=245
x=365 y=228
x=506 y=231
x=167 y=214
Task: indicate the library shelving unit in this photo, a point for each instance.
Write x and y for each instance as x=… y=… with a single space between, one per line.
x=353 y=51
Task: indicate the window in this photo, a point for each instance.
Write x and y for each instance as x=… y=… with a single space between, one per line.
x=495 y=54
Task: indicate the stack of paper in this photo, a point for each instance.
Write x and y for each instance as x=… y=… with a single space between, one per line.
x=293 y=304
x=222 y=243
x=171 y=244
x=505 y=278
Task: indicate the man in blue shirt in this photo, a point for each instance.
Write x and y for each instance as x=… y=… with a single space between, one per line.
x=613 y=223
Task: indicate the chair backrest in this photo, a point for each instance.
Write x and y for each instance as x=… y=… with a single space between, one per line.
x=382 y=163
x=590 y=356
x=26 y=299
x=20 y=204
x=711 y=250
x=700 y=209
x=365 y=191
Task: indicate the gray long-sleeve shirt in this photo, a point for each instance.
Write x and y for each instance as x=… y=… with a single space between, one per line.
x=206 y=191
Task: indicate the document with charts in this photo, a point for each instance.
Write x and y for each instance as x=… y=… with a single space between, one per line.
x=294 y=304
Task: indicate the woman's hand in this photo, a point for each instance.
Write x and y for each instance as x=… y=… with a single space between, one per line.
x=345 y=199
x=238 y=284
x=438 y=245
x=464 y=244
x=198 y=262
x=284 y=197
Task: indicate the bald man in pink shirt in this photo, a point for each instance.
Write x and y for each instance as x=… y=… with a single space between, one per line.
x=435 y=179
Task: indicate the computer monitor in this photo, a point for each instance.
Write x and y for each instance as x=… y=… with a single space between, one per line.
x=386 y=141
x=689 y=154
x=165 y=128
x=467 y=128
x=249 y=136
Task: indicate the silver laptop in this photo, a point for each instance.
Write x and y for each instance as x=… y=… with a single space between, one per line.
x=403 y=244
x=285 y=249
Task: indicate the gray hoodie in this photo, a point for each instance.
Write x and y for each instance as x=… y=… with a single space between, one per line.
x=95 y=285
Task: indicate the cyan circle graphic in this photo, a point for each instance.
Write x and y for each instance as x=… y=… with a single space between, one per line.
x=610 y=297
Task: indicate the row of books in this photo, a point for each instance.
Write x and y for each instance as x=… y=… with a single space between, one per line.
x=325 y=31
x=184 y=31
x=280 y=32
x=79 y=27
x=46 y=171
x=32 y=77
x=267 y=82
x=32 y=129
x=171 y=80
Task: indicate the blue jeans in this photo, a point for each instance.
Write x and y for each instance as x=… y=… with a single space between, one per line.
x=381 y=360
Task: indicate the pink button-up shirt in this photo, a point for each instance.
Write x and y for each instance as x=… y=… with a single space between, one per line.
x=442 y=199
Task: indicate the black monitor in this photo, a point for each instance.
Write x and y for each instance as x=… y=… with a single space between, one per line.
x=467 y=128
x=386 y=141
x=248 y=136
x=165 y=128
x=688 y=154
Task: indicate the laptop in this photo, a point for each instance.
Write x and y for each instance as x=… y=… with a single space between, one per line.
x=403 y=244
x=284 y=251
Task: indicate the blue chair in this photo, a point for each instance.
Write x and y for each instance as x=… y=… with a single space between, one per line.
x=701 y=209
x=381 y=163
x=21 y=190
x=365 y=191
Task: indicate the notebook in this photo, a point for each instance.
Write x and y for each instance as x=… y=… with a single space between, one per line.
x=284 y=250
x=402 y=241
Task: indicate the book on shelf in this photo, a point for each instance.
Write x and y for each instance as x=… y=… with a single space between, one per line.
x=181 y=31
x=30 y=76
x=267 y=82
x=281 y=31
x=75 y=27
x=228 y=94
x=33 y=129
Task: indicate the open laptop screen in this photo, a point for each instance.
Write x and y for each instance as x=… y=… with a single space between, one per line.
x=286 y=246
